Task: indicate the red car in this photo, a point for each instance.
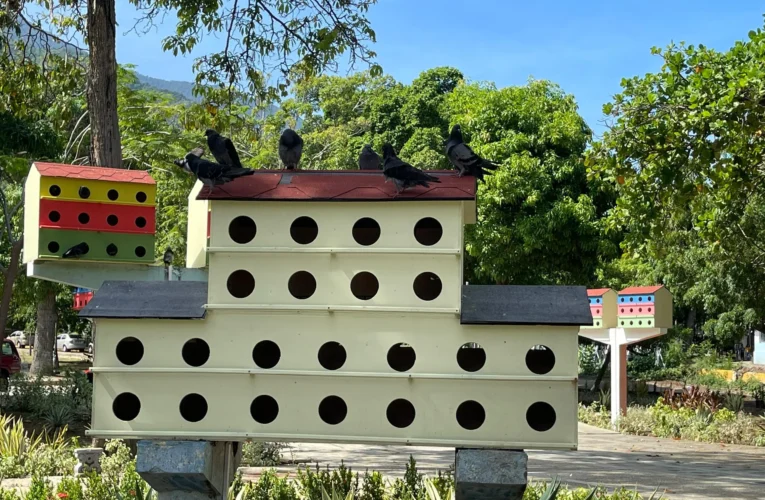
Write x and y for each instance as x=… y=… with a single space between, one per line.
x=10 y=362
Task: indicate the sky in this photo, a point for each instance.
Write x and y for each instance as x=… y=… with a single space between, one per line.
x=586 y=46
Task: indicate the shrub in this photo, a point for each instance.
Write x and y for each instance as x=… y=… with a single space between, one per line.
x=71 y=487
x=260 y=454
x=22 y=454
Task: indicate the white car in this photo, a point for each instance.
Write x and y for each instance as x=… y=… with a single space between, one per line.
x=71 y=342
x=19 y=338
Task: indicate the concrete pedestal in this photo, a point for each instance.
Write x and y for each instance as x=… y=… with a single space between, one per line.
x=484 y=474
x=188 y=469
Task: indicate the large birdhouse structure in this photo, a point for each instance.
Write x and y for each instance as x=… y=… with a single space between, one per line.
x=109 y=212
x=645 y=307
x=335 y=311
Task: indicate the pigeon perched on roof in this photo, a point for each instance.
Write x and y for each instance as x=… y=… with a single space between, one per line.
x=290 y=149
x=464 y=159
x=210 y=173
x=222 y=149
x=76 y=251
x=403 y=174
x=368 y=159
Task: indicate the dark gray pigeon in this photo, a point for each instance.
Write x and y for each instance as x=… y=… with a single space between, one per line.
x=464 y=159
x=210 y=173
x=368 y=159
x=222 y=149
x=403 y=174
x=76 y=251
x=290 y=149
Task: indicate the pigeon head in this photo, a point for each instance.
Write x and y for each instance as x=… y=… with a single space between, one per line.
x=289 y=138
x=456 y=133
x=367 y=148
x=210 y=132
x=388 y=151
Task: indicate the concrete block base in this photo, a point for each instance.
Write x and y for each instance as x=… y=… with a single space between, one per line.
x=484 y=474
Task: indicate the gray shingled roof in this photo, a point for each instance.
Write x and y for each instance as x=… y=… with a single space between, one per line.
x=148 y=299
x=525 y=305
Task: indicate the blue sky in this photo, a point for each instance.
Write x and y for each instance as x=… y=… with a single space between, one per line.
x=586 y=46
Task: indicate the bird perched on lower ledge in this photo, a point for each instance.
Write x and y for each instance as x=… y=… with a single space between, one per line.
x=290 y=149
x=403 y=174
x=464 y=159
x=210 y=173
x=76 y=251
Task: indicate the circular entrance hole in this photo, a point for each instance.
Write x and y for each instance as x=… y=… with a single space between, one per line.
x=140 y=197
x=540 y=416
x=113 y=194
x=193 y=407
x=470 y=415
x=140 y=222
x=333 y=410
x=540 y=359
x=240 y=284
x=54 y=216
x=112 y=220
x=264 y=409
x=400 y=413
x=111 y=249
x=366 y=231
x=84 y=192
x=129 y=351
x=54 y=190
x=140 y=252
x=427 y=286
x=471 y=357
x=304 y=230
x=195 y=352
x=266 y=354
x=53 y=247
x=428 y=231
x=126 y=406
x=332 y=355
x=302 y=285
x=364 y=285
x=401 y=357
x=83 y=218
x=242 y=229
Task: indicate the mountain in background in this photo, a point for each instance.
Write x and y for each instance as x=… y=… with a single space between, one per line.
x=183 y=91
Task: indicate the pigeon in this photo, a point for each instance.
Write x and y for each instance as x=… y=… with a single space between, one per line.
x=290 y=149
x=210 y=173
x=403 y=174
x=464 y=159
x=368 y=159
x=222 y=149
x=76 y=251
x=168 y=257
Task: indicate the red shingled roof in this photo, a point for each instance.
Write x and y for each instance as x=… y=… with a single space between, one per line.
x=337 y=185
x=596 y=292
x=93 y=173
x=638 y=290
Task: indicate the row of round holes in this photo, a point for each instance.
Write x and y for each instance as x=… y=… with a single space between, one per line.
x=84 y=219
x=632 y=322
x=364 y=285
x=333 y=410
x=304 y=230
x=84 y=193
x=640 y=309
x=401 y=357
x=111 y=249
x=632 y=299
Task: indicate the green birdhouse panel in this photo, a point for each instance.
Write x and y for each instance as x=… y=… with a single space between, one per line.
x=106 y=247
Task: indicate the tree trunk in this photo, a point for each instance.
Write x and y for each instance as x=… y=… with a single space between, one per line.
x=10 y=277
x=602 y=371
x=105 y=147
x=45 y=336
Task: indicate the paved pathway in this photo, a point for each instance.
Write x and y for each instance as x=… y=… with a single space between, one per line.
x=681 y=469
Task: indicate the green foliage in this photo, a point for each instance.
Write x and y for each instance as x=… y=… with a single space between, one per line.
x=58 y=405
x=261 y=454
x=23 y=454
x=39 y=488
x=734 y=402
x=71 y=487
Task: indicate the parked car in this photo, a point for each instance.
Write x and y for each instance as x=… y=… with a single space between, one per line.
x=19 y=338
x=71 y=342
x=10 y=362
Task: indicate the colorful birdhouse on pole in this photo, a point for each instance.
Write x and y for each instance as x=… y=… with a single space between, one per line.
x=81 y=297
x=645 y=307
x=335 y=311
x=108 y=214
x=602 y=308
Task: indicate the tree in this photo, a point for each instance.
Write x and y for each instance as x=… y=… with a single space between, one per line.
x=686 y=151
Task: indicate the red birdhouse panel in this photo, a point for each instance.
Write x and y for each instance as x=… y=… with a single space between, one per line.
x=103 y=217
